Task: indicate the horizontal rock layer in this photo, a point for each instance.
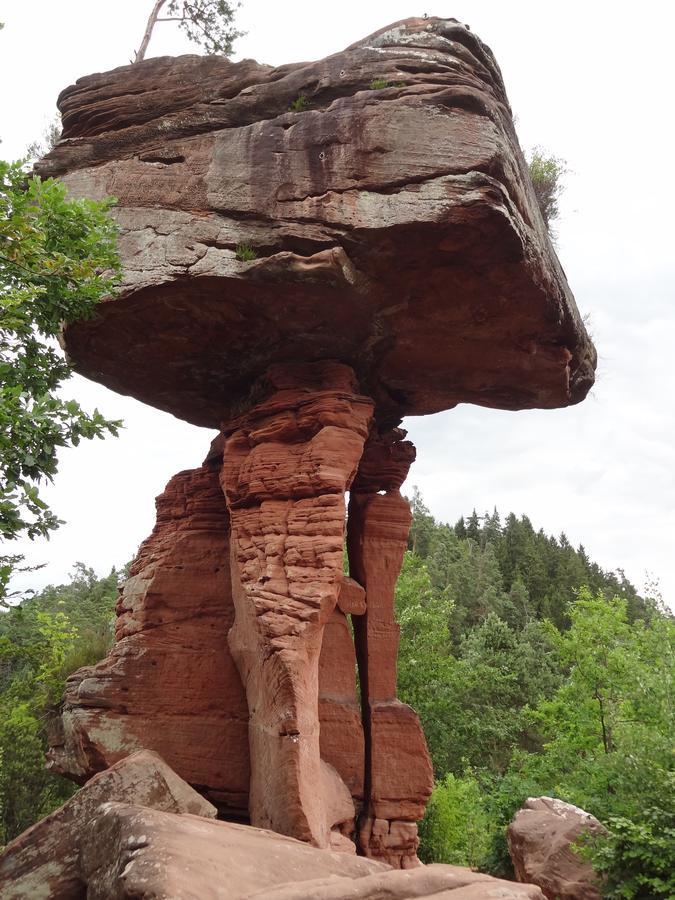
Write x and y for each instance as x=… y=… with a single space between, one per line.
x=386 y=203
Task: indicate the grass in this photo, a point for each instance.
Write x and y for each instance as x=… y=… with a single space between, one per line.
x=300 y=104
x=245 y=253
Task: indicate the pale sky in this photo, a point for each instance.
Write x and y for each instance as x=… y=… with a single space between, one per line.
x=590 y=82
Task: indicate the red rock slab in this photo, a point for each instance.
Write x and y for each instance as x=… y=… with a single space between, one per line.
x=44 y=861
x=392 y=219
x=341 y=739
x=138 y=853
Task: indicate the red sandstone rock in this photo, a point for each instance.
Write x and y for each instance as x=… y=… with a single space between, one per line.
x=399 y=776
x=142 y=854
x=169 y=684
x=540 y=839
x=402 y=267
x=286 y=466
x=341 y=738
x=395 y=229
x=44 y=861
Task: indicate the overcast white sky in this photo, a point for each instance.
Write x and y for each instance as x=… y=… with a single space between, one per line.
x=592 y=83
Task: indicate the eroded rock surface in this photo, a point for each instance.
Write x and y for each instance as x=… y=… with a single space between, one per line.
x=170 y=683
x=310 y=252
x=540 y=839
x=287 y=464
x=44 y=862
x=138 y=853
x=390 y=213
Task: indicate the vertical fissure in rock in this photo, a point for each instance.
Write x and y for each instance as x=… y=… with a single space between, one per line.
x=398 y=777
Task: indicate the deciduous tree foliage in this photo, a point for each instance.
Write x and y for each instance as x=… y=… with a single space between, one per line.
x=58 y=259
x=209 y=23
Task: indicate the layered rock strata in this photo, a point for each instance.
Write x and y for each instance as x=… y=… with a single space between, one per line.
x=169 y=684
x=372 y=207
x=234 y=653
x=309 y=253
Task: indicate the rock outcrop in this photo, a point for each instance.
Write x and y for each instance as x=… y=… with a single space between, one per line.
x=387 y=204
x=287 y=464
x=45 y=861
x=541 y=838
x=310 y=252
x=169 y=684
x=139 y=853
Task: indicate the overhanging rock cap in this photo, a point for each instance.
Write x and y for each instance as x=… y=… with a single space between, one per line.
x=373 y=207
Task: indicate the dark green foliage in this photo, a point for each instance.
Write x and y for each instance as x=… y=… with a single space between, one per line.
x=638 y=858
x=535 y=672
x=42 y=641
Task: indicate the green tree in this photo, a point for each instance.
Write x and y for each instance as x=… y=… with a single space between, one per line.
x=208 y=23
x=606 y=738
x=58 y=259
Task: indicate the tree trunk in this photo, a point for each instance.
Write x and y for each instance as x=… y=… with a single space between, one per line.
x=140 y=54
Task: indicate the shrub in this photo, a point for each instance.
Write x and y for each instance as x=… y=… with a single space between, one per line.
x=300 y=104
x=245 y=253
x=546 y=173
x=456 y=828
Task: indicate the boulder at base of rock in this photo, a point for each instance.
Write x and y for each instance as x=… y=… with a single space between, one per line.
x=540 y=839
x=43 y=862
x=134 y=852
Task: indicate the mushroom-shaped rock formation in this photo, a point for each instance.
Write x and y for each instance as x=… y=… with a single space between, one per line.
x=310 y=253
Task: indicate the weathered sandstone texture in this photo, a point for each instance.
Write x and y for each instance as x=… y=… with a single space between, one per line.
x=44 y=862
x=399 y=777
x=540 y=839
x=287 y=463
x=131 y=852
x=169 y=683
x=310 y=252
x=395 y=229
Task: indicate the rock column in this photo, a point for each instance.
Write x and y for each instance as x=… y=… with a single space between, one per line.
x=286 y=466
x=398 y=776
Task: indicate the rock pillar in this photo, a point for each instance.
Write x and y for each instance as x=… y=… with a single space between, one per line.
x=286 y=466
x=398 y=775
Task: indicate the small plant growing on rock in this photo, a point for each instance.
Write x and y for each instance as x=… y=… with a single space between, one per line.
x=379 y=84
x=245 y=253
x=300 y=104
x=546 y=173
